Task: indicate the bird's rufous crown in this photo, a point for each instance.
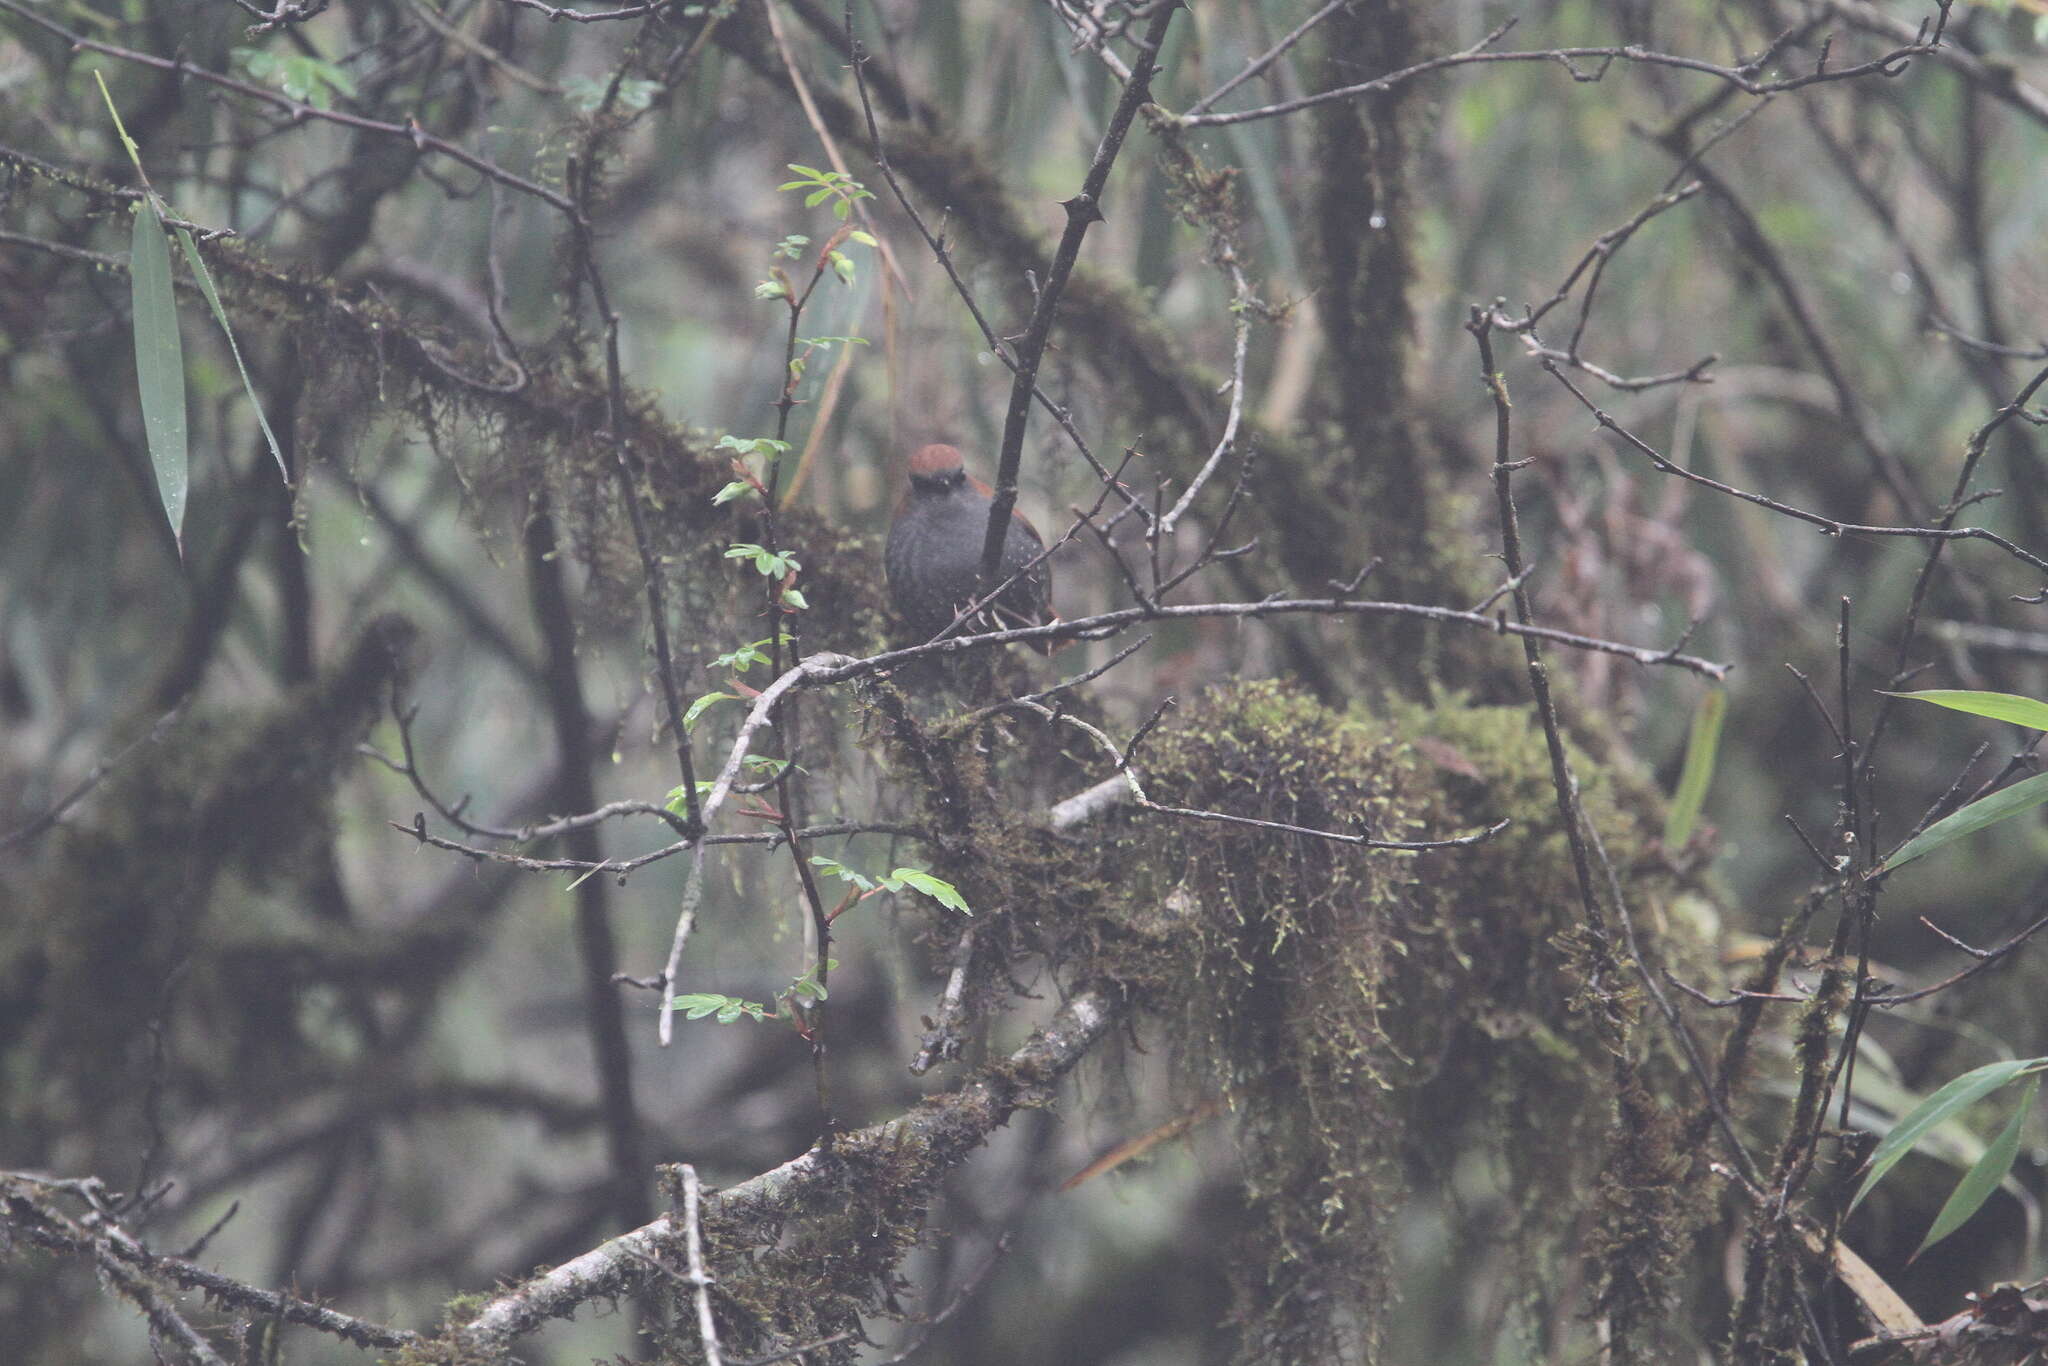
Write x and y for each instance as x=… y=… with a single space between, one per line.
x=934 y=461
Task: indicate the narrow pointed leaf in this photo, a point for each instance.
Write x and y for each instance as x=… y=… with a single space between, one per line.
x=1999 y=706
x=134 y=152
x=159 y=364
x=220 y=315
x=1984 y=1176
x=1701 y=747
x=1958 y=1095
x=2006 y=802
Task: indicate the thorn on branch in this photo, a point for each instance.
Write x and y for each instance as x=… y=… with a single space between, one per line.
x=1082 y=208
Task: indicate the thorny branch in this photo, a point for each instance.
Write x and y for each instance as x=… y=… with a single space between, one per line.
x=1083 y=210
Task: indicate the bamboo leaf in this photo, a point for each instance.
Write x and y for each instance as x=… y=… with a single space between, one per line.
x=160 y=364
x=1984 y=1177
x=134 y=152
x=2000 y=805
x=1701 y=748
x=220 y=315
x=1958 y=1095
x=1999 y=706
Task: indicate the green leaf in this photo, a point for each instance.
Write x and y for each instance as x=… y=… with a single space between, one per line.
x=1701 y=747
x=299 y=76
x=1958 y=1095
x=220 y=315
x=839 y=870
x=794 y=600
x=738 y=488
x=742 y=659
x=752 y=445
x=1999 y=706
x=587 y=93
x=938 y=889
x=159 y=353
x=134 y=152
x=160 y=364
x=697 y=1005
x=309 y=78
x=1984 y=1176
x=703 y=703
x=2000 y=805
x=769 y=563
x=808 y=984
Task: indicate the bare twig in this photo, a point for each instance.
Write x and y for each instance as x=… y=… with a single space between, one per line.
x=1479 y=323
x=997 y=345
x=1269 y=56
x=301 y=111
x=686 y=920
x=1745 y=76
x=1828 y=525
x=140 y=1271
x=91 y=780
x=700 y=1279
x=1083 y=210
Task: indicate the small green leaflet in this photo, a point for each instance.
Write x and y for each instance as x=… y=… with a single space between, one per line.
x=727 y=1008
x=300 y=77
x=916 y=879
x=697 y=708
x=938 y=889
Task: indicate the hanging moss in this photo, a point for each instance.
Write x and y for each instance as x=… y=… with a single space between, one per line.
x=123 y=916
x=1368 y=1014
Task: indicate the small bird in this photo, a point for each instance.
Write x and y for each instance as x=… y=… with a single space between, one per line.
x=934 y=553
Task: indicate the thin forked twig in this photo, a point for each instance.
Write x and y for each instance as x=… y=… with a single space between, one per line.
x=1743 y=77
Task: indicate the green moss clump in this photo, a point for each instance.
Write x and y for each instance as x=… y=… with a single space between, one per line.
x=1371 y=1019
x=1369 y=1015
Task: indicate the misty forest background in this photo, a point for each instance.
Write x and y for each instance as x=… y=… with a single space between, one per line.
x=314 y=992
